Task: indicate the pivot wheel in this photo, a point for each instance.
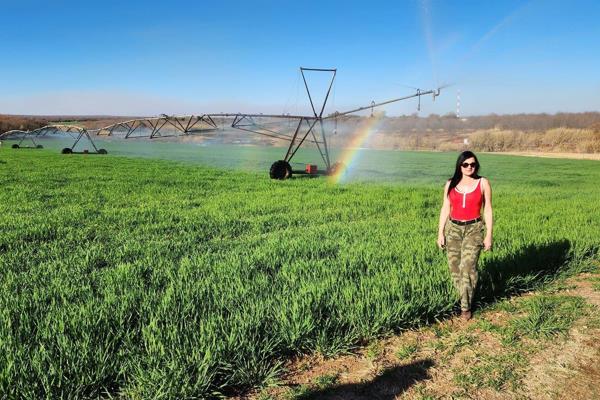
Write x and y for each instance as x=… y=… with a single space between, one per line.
x=39 y=146
x=15 y=146
x=280 y=170
x=67 y=150
x=102 y=151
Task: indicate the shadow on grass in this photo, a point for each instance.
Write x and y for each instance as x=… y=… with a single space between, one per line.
x=523 y=271
x=387 y=386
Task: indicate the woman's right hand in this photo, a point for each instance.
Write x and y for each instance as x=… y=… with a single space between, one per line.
x=441 y=241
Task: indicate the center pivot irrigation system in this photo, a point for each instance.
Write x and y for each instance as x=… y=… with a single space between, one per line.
x=298 y=130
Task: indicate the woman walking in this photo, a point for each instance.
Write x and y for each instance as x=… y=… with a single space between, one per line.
x=461 y=230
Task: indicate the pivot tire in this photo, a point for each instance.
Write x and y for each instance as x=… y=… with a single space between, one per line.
x=67 y=150
x=39 y=146
x=15 y=146
x=102 y=151
x=280 y=170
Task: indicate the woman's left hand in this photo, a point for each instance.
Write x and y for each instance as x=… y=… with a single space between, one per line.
x=487 y=243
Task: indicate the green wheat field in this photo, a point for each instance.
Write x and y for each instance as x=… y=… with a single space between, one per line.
x=146 y=278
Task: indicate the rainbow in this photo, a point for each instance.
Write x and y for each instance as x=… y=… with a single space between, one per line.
x=350 y=152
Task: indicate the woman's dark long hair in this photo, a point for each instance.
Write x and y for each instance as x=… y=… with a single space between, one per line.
x=465 y=155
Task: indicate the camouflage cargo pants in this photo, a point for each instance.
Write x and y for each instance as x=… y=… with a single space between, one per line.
x=463 y=245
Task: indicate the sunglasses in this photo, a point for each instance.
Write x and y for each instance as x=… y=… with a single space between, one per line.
x=466 y=165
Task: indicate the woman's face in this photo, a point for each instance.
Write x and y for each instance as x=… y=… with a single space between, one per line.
x=468 y=167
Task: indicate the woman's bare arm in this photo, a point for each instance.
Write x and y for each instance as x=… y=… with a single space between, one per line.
x=444 y=213
x=488 y=215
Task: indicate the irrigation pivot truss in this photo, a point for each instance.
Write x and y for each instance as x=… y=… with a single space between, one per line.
x=75 y=132
x=295 y=129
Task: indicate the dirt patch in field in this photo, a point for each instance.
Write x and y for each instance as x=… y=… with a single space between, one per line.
x=483 y=358
x=570 y=369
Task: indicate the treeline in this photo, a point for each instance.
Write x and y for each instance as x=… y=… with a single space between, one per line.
x=556 y=140
x=553 y=140
x=536 y=122
x=12 y=122
x=449 y=123
x=396 y=125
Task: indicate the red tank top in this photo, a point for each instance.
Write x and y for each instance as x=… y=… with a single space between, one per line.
x=466 y=206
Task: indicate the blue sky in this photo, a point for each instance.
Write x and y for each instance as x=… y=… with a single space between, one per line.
x=146 y=58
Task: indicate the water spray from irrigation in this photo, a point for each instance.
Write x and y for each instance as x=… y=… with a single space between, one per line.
x=304 y=128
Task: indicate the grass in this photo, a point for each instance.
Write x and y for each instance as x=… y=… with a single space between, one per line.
x=156 y=279
x=374 y=350
x=326 y=381
x=320 y=384
x=441 y=330
x=539 y=318
x=422 y=392
x=593 y=320
x=298 y=392
x=492 y=371
x=439 y=345
x=548 y=316
x=462 y=340
x=595 y=283
x=407 y=351
x=485 y=326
